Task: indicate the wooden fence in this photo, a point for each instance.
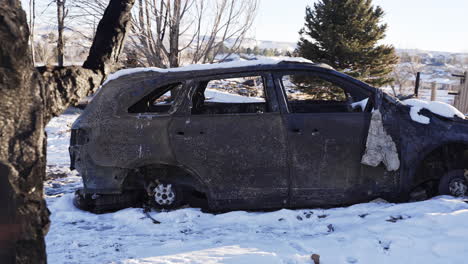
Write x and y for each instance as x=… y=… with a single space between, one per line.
x=461 y=100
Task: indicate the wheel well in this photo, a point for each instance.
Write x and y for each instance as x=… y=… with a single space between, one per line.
x=440 y=160
x=141 y=176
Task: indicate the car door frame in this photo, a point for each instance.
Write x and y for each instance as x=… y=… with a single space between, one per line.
x=347 y=85
x=184 y=117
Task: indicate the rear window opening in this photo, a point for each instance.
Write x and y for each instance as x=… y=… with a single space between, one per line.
x=230 y=96
x=159 y=101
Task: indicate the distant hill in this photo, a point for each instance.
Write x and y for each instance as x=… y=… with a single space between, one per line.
x=265 y=44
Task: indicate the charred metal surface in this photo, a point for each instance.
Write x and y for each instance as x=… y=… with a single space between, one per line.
x=266 y=156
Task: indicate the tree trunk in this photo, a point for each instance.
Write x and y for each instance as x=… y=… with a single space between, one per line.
x=29 y=98
x=108 y=42
x=174 y=35
x=22 y=142
x=32 y=24
x=60 y=27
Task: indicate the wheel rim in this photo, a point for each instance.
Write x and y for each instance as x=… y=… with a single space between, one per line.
x=458 y=187
x=164 y=194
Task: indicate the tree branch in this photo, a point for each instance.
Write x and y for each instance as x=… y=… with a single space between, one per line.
x=110 y=35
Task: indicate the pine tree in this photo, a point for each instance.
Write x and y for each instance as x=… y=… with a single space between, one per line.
x=345 y=34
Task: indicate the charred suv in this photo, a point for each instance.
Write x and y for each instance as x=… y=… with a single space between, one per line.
x=261 y=135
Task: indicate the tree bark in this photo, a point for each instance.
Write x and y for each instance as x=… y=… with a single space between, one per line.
x=108 y=42
x=22 y=142
x=32 y=24
x=29 y=98
x=174 y=35
x=60 y=27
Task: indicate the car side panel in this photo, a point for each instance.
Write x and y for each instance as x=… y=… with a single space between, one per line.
x=325 y=155
x=240 y=157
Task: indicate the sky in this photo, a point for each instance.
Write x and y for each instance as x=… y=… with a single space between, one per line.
x=436 y=25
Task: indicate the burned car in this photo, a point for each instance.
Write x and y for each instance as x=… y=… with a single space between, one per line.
x=261 y=135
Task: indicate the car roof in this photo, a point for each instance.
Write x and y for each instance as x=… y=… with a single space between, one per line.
x=227 y=67
x=210 y=70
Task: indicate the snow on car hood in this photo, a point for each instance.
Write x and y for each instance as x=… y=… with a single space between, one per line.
x=199 y=67
x=436 y=107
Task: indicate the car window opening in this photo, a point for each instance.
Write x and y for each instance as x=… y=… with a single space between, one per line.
x=311 y=94
x=158 y=101
x=230 y=96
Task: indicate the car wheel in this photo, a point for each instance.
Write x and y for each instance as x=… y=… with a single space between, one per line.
x=167 y=196
x=454 y=183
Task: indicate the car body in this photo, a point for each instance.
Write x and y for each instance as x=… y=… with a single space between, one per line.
x=277 y=149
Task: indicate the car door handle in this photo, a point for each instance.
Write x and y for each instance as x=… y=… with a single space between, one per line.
x=296 y=130
x=180 y=133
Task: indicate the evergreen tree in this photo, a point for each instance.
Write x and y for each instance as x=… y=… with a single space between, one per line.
x=345 y=34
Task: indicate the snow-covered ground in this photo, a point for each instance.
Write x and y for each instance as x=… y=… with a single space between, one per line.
x=434 y=231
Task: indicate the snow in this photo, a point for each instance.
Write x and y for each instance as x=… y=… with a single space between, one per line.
x=433 y=231
x=415 y=116
x=362 y=104
x=58 y=137
x=213 y=95
x=199 y=67
x=228 y=57
x=439 y=108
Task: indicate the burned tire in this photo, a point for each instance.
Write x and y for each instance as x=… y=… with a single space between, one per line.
x=99 y=204
x=167 y=196
x=454 y=183
x=82 y=201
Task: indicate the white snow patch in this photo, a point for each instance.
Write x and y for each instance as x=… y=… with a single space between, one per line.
x=58 y=137
x=432 y=231
x=213 y=95
x=198 y=67
x=362 y=104
x=436 y=107
x=415 y=116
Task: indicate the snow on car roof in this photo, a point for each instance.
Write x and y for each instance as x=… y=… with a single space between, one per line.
x=199 y=67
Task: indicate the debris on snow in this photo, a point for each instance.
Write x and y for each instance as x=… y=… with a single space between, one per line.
x=152 y=219
x=363 y=215
x=436 y=107
x=316 y=258
x=394 y=219
x=385 y=245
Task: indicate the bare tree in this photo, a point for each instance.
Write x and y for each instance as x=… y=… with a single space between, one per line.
x=44 y=51
x=401 y=75
x=62 y=13
x=32 y=21
x=85 y=13
x=166 y=33
x=404 y=73
x=29 y=98
x=232 y=21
